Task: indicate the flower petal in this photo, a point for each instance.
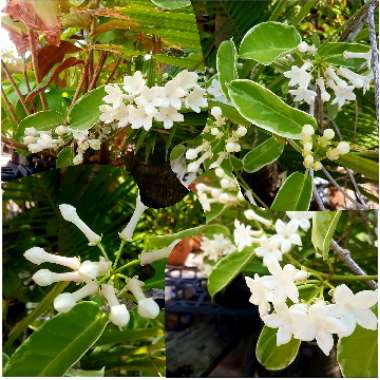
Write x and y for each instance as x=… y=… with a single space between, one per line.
x=366 y=318
x=325 y=342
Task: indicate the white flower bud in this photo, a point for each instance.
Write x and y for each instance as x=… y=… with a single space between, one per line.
x=44 y=277
x=78 y=159
x=308 y=146
x=31 y=132
x=69 y=213
x=129 y=229
x=216 y=112
x=192 y=154
x=332 y=154
x=308 y=130
x=88 y=270
x=241 y=131
x=61 y=130
x=303 y=47
x=215 y=193
x=230 y=147
x=328 y=134
x=308 y=161
x=343 y=147
x=94 y=144
x=317 y=166
x=349 y=54
x=103 y=266
x=301 y=275
x=219 y=172
x=251 y=215
x=150 y=257
x=38 y=255
x=28 y=140
x=193 y=167
x=214 y=131
x=134 y=285
x=119 y=315
x=225 y=183
x=148 y=308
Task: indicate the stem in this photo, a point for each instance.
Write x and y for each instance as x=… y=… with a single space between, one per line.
x=98 y=69
x=246 y=187
x=119 y=59
x=11 y=110
x=128 y=265
x=11 y=143
x=103 y=251
x=14 y=85
x=351 y=277
x=118 y=253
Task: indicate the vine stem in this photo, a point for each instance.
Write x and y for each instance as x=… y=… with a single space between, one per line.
x=118 y=253
x=128 y=265
x=103 y=251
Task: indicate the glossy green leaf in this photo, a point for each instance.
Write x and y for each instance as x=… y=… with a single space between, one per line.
x=42 y=121
x=264 y=154
x=362 y=165
x=59 y=343
x=163 y=241
x=274 y=357
x=171 y=4
x=294 y=194
x=265 y=109
x=227 y=269
x=65 y=157
x=332 y=52
x=226 y=64
x=230 y=113
x=268 y=41
x=324 y=225
x=357 y=353
x=85 y=113
x=216 y=209
x=113 y=335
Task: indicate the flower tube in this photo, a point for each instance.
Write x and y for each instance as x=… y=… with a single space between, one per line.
x=38 y=255
x=45 y=277
x=119 y=314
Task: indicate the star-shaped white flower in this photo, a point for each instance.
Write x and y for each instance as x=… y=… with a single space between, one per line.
x=343 y=93
x=302 y=218
x=302 y=94
x=287 y=234
x=140 y=119
x=173 y=95
x=134 y=84
x=269 y=249
x=107 y=113
x=355 y=308
x=217 y=247
x=114 y=95
x=150 y=98
x=259 y=294
x=168 y=115
x=186 y=79
x=299 y=76
x=243 y=235
x=196 y=99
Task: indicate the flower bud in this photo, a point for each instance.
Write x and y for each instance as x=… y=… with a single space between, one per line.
x=216 y=112
x=308 y=130
x=78 y=159
x=308 y=146
x=69 y=213
x=251 y=215
x=308 y=161
x=38 y=255
x=31 y=131
x=149 y=257
x=119 y=315
x=128 y=231
x=192 y=154
x=61 y=130
x=241 y=131
x=28 y=140
x=317 y=166
x=343 y=147
x=148 y=308
x=88 y=270
x=303 y=47
x=214 y=131
x=328 y=134
x=332 y=154
x=45 y=277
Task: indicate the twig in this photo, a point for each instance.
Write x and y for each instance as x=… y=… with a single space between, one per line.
x=316 y=195
x=318 y=110
x=354 y=25
x=374 y=52
x=117 y=63
x=11 y=110
x=33 y=52
x=98 y=69
x=14 y=85
x=345 y=256
x=24 y=71
x=14 y=144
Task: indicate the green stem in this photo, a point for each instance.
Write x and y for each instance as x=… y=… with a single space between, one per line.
x=118 y=253
x=128 y=265
x=246 y=187
x=352 y=277
x=103 y=251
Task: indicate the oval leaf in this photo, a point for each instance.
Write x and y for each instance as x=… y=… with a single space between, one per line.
x=171 y=4
x=65 y=157
x=265 y=109
x=275 y=357
x=268 y=41
x=324 y=225
x=264 y=154
x=354 y=161
x=85 y=113
x=59 y=343
x=357 y=353
x=294 y=194
x=227 y=269
x=226 y=63
x=42 y=121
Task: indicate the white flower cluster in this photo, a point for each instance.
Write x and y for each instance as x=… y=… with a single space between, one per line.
x=37 y=141
x=343 y=89
x=227 y=194
x=322 y=147
x=92 y=274
x=84 y=141
x=137 y=105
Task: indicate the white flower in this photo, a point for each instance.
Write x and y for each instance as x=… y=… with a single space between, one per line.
x=114 y=95
x=66 y=301
x=127 y=233
x=107 y=113
x=243 y=235
x=150 y=98
x=134 y=84
x=196 y=99
x=302 y=47
x=251 y=215
x=139 y=118
x=44 y=277
x=217 y=247
x=343 y=147
x=122 y=115
x=269 y=249
x=173 y=95
x=343 y=92
x=216 y=91
x=186 y=79
x=325 y=96
x=301 y=218
x=216 y=112
x=38 y=255
x=69 y=213
x=287 y=233
x=299 y=76
x=303 y=95
x=31 y=131
x=260 y=294
x=355 y=308
x=286 y=319
x=150 y=257
x=350 y=54
x=61 y=130
x=168 y=115
x=119 y=314
x=78 y=159
x=355 y=79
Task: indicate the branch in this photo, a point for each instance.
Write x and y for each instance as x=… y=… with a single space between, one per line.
x=374 y=52
x=117 y=63
x=354 y=25
x=11 y=143
x=98 y=69
x=11 y=110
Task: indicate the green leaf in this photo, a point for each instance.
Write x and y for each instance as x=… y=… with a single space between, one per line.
x=354 y=161
x=231 y=113
x=65 y=157
x=357 y=353
x=332 y=52
x=265 y=109
x=171 y=4
x=85 y=373
x=85 y=113
x=268 y=41
x=113 y=335
x=156 y=242
x=226 y=63
x=264 y=154
x=216 y=209
x=294 y=194
x=177 y=152
x=59 y=343
x=42 y=121
x=324 y=225
x=274 y=357
x=227 y=269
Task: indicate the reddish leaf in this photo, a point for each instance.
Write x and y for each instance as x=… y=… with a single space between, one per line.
x=17 y=33
x=50 y=55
